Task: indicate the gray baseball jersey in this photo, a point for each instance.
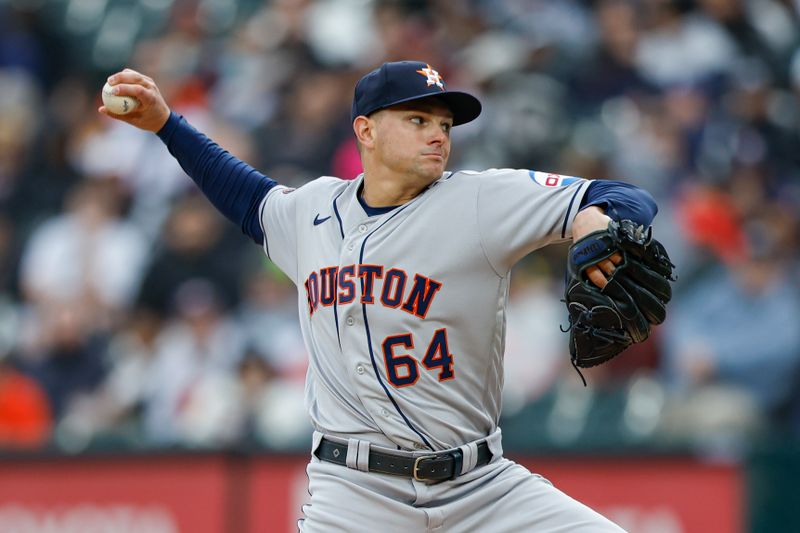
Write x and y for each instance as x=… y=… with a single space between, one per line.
x=403 y=313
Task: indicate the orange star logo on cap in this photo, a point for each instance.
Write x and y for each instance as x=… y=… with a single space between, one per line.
x=433 y=77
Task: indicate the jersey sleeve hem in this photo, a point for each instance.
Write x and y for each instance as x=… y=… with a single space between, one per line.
x=261 y=222
x=573 y=208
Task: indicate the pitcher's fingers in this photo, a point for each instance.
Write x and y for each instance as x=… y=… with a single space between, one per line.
x=596 y=276
x=607 y=266
x=130 y=76
x=130 y=118
x=131 y=89
x=616 y=258
x=107 y=112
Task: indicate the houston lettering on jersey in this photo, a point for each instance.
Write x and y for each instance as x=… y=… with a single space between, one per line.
x=391 y=287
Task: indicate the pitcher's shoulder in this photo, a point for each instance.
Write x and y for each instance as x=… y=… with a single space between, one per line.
x=321 y=186
x=489 y=173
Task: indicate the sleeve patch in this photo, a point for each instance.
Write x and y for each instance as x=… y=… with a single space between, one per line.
x=547 y=179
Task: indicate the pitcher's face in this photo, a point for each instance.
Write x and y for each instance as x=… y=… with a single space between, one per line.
x=414 y=138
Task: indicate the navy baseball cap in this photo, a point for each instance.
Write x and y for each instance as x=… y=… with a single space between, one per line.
x=404 y=81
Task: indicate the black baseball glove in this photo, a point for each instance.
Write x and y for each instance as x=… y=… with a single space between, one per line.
x=602 y=323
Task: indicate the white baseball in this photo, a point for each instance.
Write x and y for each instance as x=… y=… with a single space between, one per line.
x=119 y=105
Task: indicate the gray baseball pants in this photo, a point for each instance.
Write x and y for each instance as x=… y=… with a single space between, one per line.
x=501 y=496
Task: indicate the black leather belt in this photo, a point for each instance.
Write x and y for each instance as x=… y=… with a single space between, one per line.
x=436 y=466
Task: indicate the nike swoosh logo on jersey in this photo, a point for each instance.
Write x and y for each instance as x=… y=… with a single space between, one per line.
x=318 y=221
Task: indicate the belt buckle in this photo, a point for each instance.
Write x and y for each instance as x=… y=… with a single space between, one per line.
x=416 y=465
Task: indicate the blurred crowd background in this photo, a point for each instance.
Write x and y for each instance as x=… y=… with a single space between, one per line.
x=133 y=316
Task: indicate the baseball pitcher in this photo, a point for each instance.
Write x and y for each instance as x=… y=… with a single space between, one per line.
x=402 y=278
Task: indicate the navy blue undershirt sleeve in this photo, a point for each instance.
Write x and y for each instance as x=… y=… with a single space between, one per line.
x=621 y=201
x=234 y=187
